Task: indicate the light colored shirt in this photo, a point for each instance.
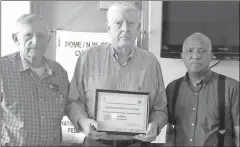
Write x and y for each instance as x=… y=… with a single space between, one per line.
x=98 y=68
x=32 y=108
x=197 y=114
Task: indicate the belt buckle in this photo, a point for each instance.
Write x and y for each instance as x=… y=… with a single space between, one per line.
x=122 y=142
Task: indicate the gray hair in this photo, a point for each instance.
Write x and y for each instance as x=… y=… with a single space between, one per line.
x=125 y=5
x=28 y=19
x=201 y=38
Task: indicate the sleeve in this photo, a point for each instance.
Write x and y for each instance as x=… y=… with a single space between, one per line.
x=1 y=94
x=158 y=111
x=234 y=97
x=76 y=98
x=66 y=89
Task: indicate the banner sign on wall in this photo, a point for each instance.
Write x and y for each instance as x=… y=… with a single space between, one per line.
x=69 y=46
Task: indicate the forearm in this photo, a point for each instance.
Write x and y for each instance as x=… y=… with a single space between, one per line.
x=236 y=130
x=160 y=117
x=76 y=112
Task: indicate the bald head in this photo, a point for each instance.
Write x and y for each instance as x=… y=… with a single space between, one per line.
x=198 y=38
x=196 y=53
x=124 y=6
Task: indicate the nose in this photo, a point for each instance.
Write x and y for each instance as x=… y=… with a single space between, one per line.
x=125 y=26
x=34 y=39
x=196 y=55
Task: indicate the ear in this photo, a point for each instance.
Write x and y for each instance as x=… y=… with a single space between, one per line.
x=139 y=27
x=15 y=39
x=211 y=58
x=181 y=55
x=108 y=27
x=49 y=38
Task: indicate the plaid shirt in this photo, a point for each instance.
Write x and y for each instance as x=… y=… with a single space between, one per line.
x=32 y=108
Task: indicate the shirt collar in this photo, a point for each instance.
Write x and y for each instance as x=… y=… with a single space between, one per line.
x=23 y=65
x=113 y=53
x=206 y=79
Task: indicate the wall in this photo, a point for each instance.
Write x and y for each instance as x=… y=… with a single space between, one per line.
x=8 y=20
x=80 y=16
x=174 y=68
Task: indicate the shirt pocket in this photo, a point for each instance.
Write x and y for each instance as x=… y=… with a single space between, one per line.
x=59 y=101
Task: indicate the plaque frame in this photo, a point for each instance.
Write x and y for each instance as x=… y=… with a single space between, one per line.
x=121 y=92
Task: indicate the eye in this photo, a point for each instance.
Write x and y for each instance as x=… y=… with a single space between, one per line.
x=202 y=50
x=131 y=23
x=29 y=35
x=189 y=50
x=117 y=23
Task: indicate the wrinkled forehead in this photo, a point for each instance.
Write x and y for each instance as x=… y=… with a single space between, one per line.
x=197 y=42
x=116 y=13
x=32 y=27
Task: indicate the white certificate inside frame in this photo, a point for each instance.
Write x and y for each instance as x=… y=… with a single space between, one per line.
x=121 y=112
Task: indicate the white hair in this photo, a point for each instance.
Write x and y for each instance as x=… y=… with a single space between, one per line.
x=27 y=19
x=125 y=5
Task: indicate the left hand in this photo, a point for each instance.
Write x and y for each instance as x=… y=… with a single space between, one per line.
x=150 y=135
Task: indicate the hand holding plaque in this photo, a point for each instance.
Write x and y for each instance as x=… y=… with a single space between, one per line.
x=122 y=112
x=150 y=135
x=89 y=127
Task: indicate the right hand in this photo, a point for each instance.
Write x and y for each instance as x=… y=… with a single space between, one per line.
x=89 y=127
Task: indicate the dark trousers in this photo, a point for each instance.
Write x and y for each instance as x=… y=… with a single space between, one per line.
x=115 y=143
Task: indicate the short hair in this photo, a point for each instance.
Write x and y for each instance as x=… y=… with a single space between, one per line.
x=201 y=38
x=125 y=5
x=28 y=19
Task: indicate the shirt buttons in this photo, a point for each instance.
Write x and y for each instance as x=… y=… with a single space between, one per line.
x=51 y=86
x=195 y=94
x=7 y=139
x=191 y=140
x=192 y=124
x=194 y=109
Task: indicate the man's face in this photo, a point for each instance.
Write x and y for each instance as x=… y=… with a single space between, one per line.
x=123 y=27
x=33 y=39
x=196 y=56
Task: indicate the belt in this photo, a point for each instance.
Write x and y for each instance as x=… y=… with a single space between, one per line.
x=118 y=142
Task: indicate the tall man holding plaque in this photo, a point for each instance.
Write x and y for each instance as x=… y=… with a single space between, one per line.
x=117 y=94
